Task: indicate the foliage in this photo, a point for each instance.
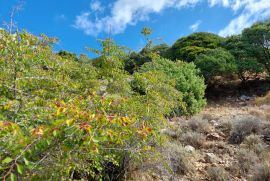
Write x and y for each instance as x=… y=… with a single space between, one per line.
x=67 y=55
x=217 y=174
x=217 y=62
x=187 y=48
x=187 y=81
x=258 y=39
x=66 y=119
x=247 y=66
x=136 y=60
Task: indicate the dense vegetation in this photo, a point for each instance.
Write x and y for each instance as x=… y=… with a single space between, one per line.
x=67 y=117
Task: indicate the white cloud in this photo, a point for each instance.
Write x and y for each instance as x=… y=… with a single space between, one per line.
x=96 y=6
x=195 y=26
x=253 y=11
x=123 y=13
x=60 y=17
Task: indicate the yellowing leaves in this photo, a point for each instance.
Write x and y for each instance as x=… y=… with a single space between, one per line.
x=144 y=131
x=38 y=131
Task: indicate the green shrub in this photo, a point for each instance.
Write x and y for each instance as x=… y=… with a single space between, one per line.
x=187 y=81
x=62 y=119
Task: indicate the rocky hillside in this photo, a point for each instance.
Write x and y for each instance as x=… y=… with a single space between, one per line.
x=227 y=141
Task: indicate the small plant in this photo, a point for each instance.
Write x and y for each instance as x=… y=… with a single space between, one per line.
x=199 y=125
x=243 y=128
x=255 y=143
x=217 y=174
x=246 y=158
x=252 y=140
x=261 y=172
x=226 y=127
x=181 y=160
x=194 y=139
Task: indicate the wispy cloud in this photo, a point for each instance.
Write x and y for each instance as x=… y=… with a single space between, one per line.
x=60 y=17
x=252 y=11
x=195 y=26
x=123 y=13
x=96 y=6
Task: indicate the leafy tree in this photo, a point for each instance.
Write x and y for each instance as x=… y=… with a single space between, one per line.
x=247 y=66
x=67 y=55
x=258 y=39
x=216 y=62
x=187 y=82
x=136 y=60
x=187 y=48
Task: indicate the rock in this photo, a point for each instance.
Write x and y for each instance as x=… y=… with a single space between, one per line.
x=245 y=98
x=189 y=148
x=211 y=158
x=214 y=136
x=214 y=123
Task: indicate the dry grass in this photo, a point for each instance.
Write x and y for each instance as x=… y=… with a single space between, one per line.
x=197 y=124
x=261 y=172
x=251 y=141
x=246 y=159
x=217 y=174
x=181 y=160
x=194 y=139
x=263 y=100
x=243 y=128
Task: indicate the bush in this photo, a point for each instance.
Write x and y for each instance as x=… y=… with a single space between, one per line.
x=62 y=119
x=194 y=139
x=246 y=159
x=200 y=125
x=261 y=172
x=217 y=174
x=243 y=128
x=187 y=82
x=181 y=160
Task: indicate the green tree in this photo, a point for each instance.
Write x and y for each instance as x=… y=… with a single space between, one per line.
x=247 y=66
x=216 y=62
x=187 y=48
x=258 y=39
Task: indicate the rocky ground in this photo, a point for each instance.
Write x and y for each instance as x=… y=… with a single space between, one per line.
x=229 y=140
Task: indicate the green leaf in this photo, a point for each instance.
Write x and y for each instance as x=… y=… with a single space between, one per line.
x=26 y=161
x=20 y=169
x=7 y=160
x=13 y=177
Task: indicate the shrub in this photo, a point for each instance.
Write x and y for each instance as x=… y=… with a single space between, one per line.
x=181 y=160
x=62 y=119
x=226 y=127
x=187 y=81
x=243 y=128
x=261 y=172
x=217 y=174
x=252 y=140
x=199 y=125
x=194 y=139
x=246 y=159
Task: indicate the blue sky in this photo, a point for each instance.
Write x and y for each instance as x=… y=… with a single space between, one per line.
x=79 y=23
